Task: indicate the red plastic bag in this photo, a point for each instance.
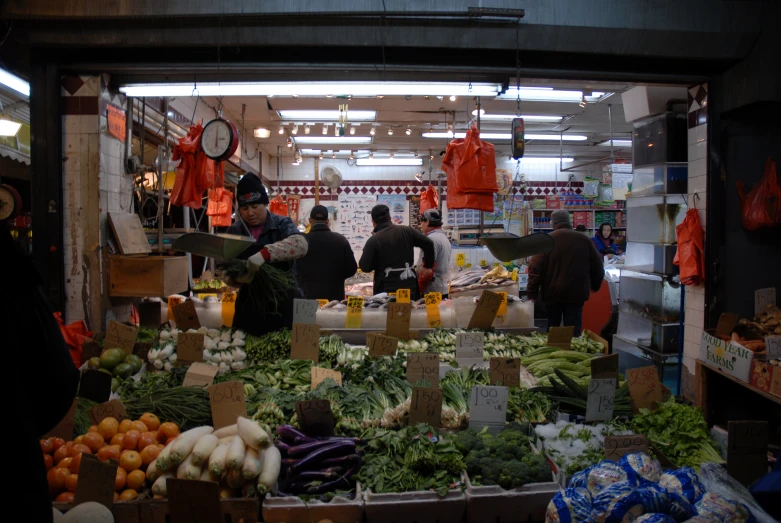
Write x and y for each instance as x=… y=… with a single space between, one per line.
x=74 y=335
x=429 y=199
x=278 y=206
x=762 y=206
x=473 y=162
x=461 y=200
x=690 y=256
x=220 y=207
x=196 y=172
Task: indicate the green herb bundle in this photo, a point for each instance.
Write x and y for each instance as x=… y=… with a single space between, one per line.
x=269 y=286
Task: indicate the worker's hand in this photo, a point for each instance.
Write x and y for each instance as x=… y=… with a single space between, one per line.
x=253 y=264
x=426 y=274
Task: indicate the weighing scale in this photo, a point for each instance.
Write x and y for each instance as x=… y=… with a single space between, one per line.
x=10 y=203
x=218 y=246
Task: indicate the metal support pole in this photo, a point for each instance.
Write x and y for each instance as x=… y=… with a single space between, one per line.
x=610 y=125
x=482 y=214
x=161 y=159
x=129 y=137
x=142 y=131
x=317 y=181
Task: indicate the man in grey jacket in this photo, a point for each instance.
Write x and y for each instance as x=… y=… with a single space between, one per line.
x=431 y=225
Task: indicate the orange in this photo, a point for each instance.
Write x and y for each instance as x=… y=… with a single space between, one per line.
x=62 y=452
x=130 y=441
x=75 y=463
x=78 y=449
x=65 y=497
x=150 y=420
x=93 y=440
x=121 y=478
x=70 y=482
x=92 y=428
x=140 y=426
x=109 y=452
x=169 y=430
x=135 y=479
x=56 y=478
x=117 y=439
x=116 y=496
x=149 y=454
x=65 y=464
x=108 y=428
x=125 y=425
x=146 y=439
x=130 y=460
x=78 y=440
x=47 y=447
x=128 y=494
x=49 y=461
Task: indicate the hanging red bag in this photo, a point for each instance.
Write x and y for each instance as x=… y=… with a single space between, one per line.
x=220 y=207
x=690 y=256
x=278 y=206
x=473 y=162
x=461 y=200
x=762 y=206
x=429 y=199
x=74 y=335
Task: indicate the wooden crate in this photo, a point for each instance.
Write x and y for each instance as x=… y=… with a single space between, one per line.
x=146 y=276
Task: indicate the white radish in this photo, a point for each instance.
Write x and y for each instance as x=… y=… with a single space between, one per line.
x=234 y=479
x=188 y=470
x=218 y=458
x=253 y=463
x=226 y=440
x=204 y=448
x=237 y=365
x=184 y=443
x=151 y=471
x=206 y=475
x=166 y=352
x=167 y=367
x=229 y=430
x=272 y=460
x=252 y=434
x=236 y=452
x=164 y=459
x=158 y=364
x=159 y=487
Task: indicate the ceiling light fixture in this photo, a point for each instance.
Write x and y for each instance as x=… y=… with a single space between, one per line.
x=325 y=129
x=617 y=143
x=352 y=129
x=390 y=131
x=289 y=142
x=542 y=159
x=408 y=131
x=388 y=161
x=281 y=129
x=306 y=129
x=526 y=117
x=9 y=127
x=582 y=102
x=548 y=94
x=452 y=98
x=14 y=82
x=507 y=136
x=261 y=132
x=294 y=130
x=474 y=112
x=347 y=140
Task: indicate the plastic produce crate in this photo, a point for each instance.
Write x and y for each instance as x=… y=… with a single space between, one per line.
x=235 y=510
x=293 y=510
x=493 y=504
x=414 y=507
x=123 y=511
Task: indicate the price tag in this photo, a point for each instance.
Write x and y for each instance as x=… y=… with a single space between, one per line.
x=433 y=317
x=185 y=316
x=644 y=387
x=423 y=366
x=772 y=348
x=561 y=337
x=764 y=298
x=90 y=349
x=227 y=403
x=319 y=375
x=121 y=336
x=305 y=311
x=506 y=372
x=189 y=347
x=96 y=481
x=200 y=375
x=173 y=301
x=432 y=298
x=514 y=275
x=470 y=348
x=497 y=264
x=488 y=406
x=747 y=450
x=605 y=367
x=618 y=446
x=460 y=259
x=502 y=312
x=95 y=385
x=305 y=342
x=322 y=303
x=397 y=324
x=381 y=345
x=64 y=429
x=193 y=501
x=315 y=417
x=110 y=409
x=468 y=265
x=402 y=295
x=726 y=323
x=354 y=312
x=485 y=312
x=228 y=308
x=426 y=406
x=599 y=403
x=483 y=263
x=149 y=314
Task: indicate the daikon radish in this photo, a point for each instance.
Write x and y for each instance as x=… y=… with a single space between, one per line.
x=188 y=470
x=252 y=434
x=272 y=460
x=204 y=448
x=184 y=443
x=218 y=458
x=230 y=430
x=236 y=452
x=164 y=459
x=226 y=439
x=151 y=471
x=159 y=488
x=253 y=463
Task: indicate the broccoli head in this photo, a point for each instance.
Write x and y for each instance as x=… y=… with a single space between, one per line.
x=452 y=462
x=467 y=441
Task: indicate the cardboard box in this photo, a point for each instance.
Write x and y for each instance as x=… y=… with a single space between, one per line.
x=553 y=202
x=729 y=357
x=766 y=377
x=146 y=276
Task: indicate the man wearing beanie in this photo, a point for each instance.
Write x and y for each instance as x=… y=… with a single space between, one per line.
x=277 y=241
x=431 y=225
x=390 y=254
x=564 y=278
x=328 y=262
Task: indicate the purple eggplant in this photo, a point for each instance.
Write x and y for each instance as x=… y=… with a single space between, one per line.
x=334 y=451
x=300 y=451
x=344 y=460
x=312 y=475
x=288 y=462
x=322 y=488
x=333 y=470
x=290 y=433
x=283 y=447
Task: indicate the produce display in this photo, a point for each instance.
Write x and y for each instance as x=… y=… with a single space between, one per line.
x=213 y=284
x=571 y=394
x=220 y=348
x=574 y=446
x=479 y=278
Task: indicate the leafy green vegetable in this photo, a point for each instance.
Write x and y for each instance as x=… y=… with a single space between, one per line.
x=269 y=286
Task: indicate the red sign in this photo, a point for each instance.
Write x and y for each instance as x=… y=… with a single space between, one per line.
x=293 y=205
x=117 y=122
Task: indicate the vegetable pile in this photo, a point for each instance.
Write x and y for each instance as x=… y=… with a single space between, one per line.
x=268 y=287
x=575 y=447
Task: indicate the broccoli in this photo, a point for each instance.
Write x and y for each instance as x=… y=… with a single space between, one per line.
x=468 y=440
x=452 y=463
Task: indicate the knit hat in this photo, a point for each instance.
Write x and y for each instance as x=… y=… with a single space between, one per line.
x=319 y=212
x=560 y=218
x=250 y=190
x=380 y=213
x=433 y=217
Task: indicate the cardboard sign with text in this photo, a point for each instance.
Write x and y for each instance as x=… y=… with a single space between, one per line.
x=315 y=417
x=200 y=375
x=729 y=357
x=185 y=316
x=119 y=335
x=470 y=348
x=305 y=342
x=305 y=311
x=354 y=315
x=433 y=316
x=600 y=399
x=227 y=403
x=319 y=375
x=644 y=387
x=618 y=446
x=423 y=366
x=747 y=450
x=402 y=295
x=505 y=371
x=764 y=298
x=193 y=501
x=189 y=347
x=488 y=406
x=116 y=123
x=149 y=314
x=95 y=385
x=605 y=367
x=90 y=349
x=485 y=312
x=96 y=481
x=426 y=406
x=398 y=319
x=772 y=348
x=561 y=337
x=64 y=429
x=381 y=345
x=110 y=409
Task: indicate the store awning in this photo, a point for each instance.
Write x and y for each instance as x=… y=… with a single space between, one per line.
x=14 y=164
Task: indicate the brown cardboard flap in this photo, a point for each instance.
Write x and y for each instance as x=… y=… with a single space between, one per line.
x=726 y=324
x=227 y=403
x=95 y=385
x=506 y=372
x=381 y=345
x=485 y=313
x=90 y=349
x=645 y=388
x=185 y=316
x=110 y=409
x=618 y=446
x=305 y=342
x=398 y=319
x=423 y=366
x=200 y=375
x=189 y=347
x=193 y=501
x=560 y=337
x=596 y=337
x=121 y=336
x=96 y=481
x=149 y=314
x=426 y=406
x=315 y=417
x=320 y=374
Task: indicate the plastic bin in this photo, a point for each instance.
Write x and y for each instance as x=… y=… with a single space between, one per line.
x=651 y=296
x=293 y=510
x=235 y=510
x=414 y=507
x=493 y=504
x=520 y=314
x=652 y=219
x=660 y=337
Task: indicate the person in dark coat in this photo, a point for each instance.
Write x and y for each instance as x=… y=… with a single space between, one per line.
x=389 y=253
x=604 y=242
x=277 y=241
x=42 y=399
x=328 y=262
x=564 y=278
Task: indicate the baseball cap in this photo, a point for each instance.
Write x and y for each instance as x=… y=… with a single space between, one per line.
x=380 y=213
x=432 y=216
x=319 y=212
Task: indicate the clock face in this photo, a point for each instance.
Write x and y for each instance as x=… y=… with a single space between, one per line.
x=219 y=140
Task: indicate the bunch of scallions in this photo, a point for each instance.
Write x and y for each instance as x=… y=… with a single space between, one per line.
x=268 y=288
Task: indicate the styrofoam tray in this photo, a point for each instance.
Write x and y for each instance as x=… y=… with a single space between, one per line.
x=294 y=510
x=493 y=504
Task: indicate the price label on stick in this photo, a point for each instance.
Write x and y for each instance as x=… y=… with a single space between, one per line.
x=423 y=366
x=488 y=406
x=560 y=337
x=381 y=345
x=747 y=450
x=193 y=501
x=426 y=406
x=319 y=375
x=398 y=319
x=189 y=347
x=599 y=402
x=433 y=317
x=305 y=342
x=764 y=298
x=200 y=375
x=305 y=311
x=502 y=312
x=227 y=403
x=185 y=316
x=772 y=348
x=228 y=308
x=470 y=348
x=485 y=312
x=644 y=387
x=460 y=259
x=119 y=335
x=506 y=372
x=402 y=295
x=315 y=417
x=618 y=446
x=605 y=367
x=173 y=301
x=96 y=481
x=354 y=312
x=110 y=409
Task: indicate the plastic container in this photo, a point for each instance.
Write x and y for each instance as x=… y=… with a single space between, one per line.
x=659 y=337
x=493 y=504
x=376 y=319
x=651 y=296
x=293 y=510
x=652 y=219
x=668 y=178
x=244 y=510
x=414 y=507
x=123 y=511
x=630 y=356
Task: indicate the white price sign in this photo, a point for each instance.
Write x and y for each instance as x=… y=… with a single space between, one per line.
x=305 y=311
x=601 y=395
x=469 y=348
x=764 y=298
x=488 y=405
x=773 y=348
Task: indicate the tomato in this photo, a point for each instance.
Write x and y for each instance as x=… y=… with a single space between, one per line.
x=93 y=440
x=121 y=479
x=46 y=446
x=117 y=439
x=108 y=428
x=125 y=425
x=75 y=463
x=65 y=497
x=48 y=461
x=78 y=440
x=65 y=463
x=135 y=479
x=130 y=441
x=78 y=449
x=56 y=478
x=146 y=439
x=57 y=443
x=128 y=495
x=70 y=482
x=169 y=430
x=150 y=420
x=62 y=452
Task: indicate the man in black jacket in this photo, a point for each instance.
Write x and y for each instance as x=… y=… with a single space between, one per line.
x=389 y=253
x=328 y=261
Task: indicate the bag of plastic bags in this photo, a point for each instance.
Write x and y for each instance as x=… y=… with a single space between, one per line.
x=74 y=335
x=718 y=482
x=429 y=199
x=690 y=256
x=220 y=207
x=196 y=172
x=278 y=206
x=762 y=207
x=473 y=163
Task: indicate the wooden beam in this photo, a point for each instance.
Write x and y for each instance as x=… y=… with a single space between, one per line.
x=317 y=181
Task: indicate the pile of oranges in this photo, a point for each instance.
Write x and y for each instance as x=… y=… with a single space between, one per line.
x=133 y=444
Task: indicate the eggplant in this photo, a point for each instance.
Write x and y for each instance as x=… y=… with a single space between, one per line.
x=344 y=460
x=311 y=475
x=282 y=446
x=288 y=462
x=300 y=451
x=340 y=448
x=290 y=433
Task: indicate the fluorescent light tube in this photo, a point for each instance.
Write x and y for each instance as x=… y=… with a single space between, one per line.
x=327 y=116
x=617 y=143
x=548 y=94
x=368 y=89
x=9 y=128
x=389 y=161
x=347 y=140
x=262 y=132
x=526 y=117
x=341 y=152
x=542 y=159
x=507 y=136
x=556 y=137
x=14 y=82
x=485 y=136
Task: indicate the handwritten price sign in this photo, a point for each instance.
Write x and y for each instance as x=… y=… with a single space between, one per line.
x=426 y=406
x=764 y=298
x=381 y=345
x=110 y=409
x=470 y=348
x=644 y=387
x=96 y=481
x=189 y=347
x=354 y=312
x=305 y=342
x=488 y=405
x=121 y=336
x=747 y=450
x=319 y=375
x=423 y=367
x=618 y=446
x=601 y=396
x=460 y=259
x=397 y=324
x=305 y=311
x=402 y=296
x=433 y=317
x=227 y=403
x=485 y=312
x=315 y=417
x=506 y=372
